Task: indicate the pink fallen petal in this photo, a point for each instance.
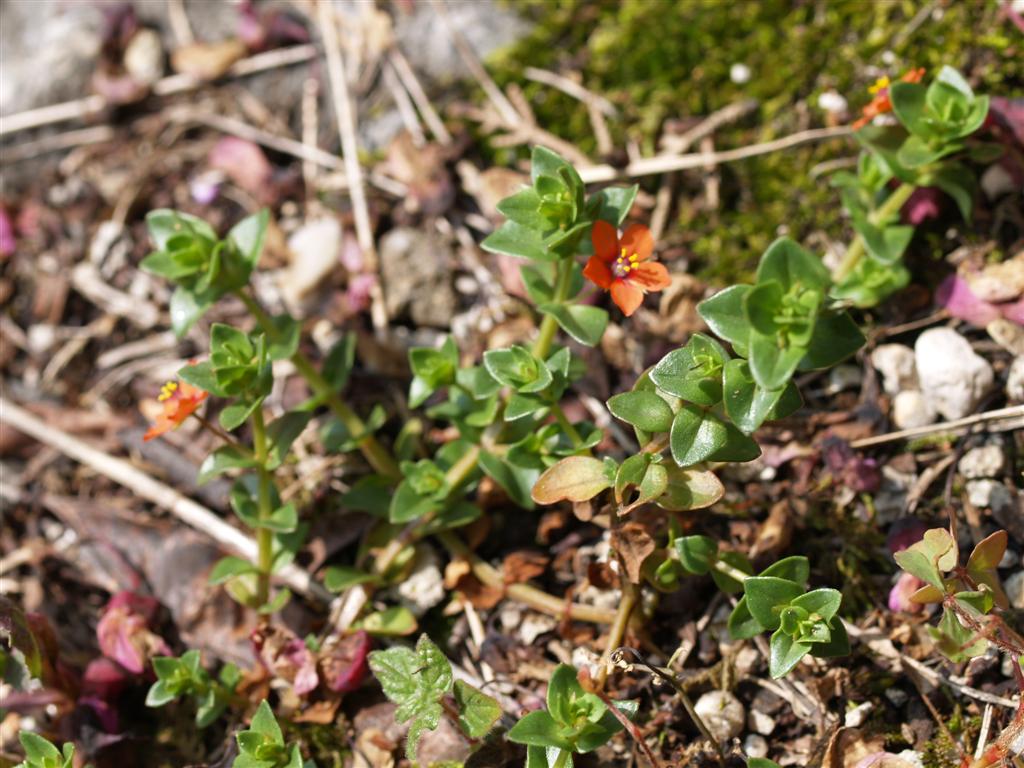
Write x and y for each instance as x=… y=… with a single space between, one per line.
x=343 y=661
x=1014 y=311
x=899 y=595
x=956 y=296
x=7 y=242
x=352 y=255
x=123 y=632
x=925 y=203
x=244 y=163
x=287 y=657
x=357 y=296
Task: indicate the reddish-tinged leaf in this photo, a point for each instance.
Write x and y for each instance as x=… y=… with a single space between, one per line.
x=343 y=661
x=576 y=478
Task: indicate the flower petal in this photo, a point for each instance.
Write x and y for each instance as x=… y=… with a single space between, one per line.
x=639 y=240
x=598 y=273
x=650 y=275
x=605 y=240
x=627 y=297
x=162 y=425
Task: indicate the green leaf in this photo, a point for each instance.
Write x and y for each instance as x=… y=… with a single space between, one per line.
x=396 y=621
x=337 y=365
x=338 y=578
x=37 y=749
x=516 y=367
x=478 y=712
x=614 y=203
x=930 y=558
x=957 y=181
x=789 y=265
x=408 y=505
x=164 y=224
x=513 y=239
x=737 y=560
x=773 y=365
x=689 y=489
x=823 y=602
x=631 y=472
x=746 y=402
x=224 y=459
x=574 y=478
x=766 y=595
x=369 y=494
x=870 y=282
x=415 y=681
x=697 y=554
x=785 y=654
x=538 y=729
x=644 y=410
x=724 y=314
x=838 y=645
x=516 y=481
x=523 y=208
x=201 y=375
x=235 y=414
x=585 y=324
x=281 y=433
x=283 y=339
x=885 y=244
x=248 y=236
x=696 y=435
x=761 y=762
x=230 y=567
x=185 y=309
x=694 y=372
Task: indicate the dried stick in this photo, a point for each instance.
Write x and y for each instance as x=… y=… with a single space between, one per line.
x=571 y=88
x=79 y=108
x=350 y=153
x=405 y=108
x=1013 y=416
x=649 y=166
x=68 y=140
x=281 y=144
x=501 y=103
x=412 y=84
x=676 y=145
x=144 y=486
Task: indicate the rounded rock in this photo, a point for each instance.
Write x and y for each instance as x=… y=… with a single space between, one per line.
x=722 y=713
x=912 y=409
x=952 y=375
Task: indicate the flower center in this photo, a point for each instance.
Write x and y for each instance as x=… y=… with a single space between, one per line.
x=167 y=391
x=880 y=84
x=622 y=266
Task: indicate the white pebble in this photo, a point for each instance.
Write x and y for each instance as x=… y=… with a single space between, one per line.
x=760 y=723
x=983 y=461
x=1014 y=587
x=722 y=713
x=755 y=746
x=1015 y=380
x=912 y=409
x=896 y=364
x=990 y=494
x=856 y=716
x=739 y=73
x=952 y=376
x=833 y=102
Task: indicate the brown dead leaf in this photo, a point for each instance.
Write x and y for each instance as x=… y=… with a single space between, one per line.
x=776 y=532
x=459 y=576
x=848 y=747
x=207 y=61
x=634 y=544
x=551 y=522
x=523 y=565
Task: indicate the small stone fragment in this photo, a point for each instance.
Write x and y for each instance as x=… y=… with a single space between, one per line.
x=722 y=713
x=983 y=461
x=1015 y=380
x=760 y=723
x=896 y=364
x=315 y=249
x=1014 y=587
x=1007 y=334
x=755 y=746
x=912 y=409
x=952 y=376
x=990 y=494
x=856 y=716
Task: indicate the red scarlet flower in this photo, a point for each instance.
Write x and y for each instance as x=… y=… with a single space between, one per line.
x=180 y=401
x=881 y=103
x=623 y=265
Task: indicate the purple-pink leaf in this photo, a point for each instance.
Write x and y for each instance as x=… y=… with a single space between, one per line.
x=902 y=591
x=343 y=661
x=287 y=657
x=124 y=635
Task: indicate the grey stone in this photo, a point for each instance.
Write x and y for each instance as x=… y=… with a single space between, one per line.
x=755 y=746
x=1014 y=587
x=416 y=267
x=952 y=376
x=983 y=461
x=990 y=494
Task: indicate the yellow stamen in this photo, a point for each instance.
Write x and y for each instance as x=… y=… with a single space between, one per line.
x=880 y=83
x=167 y=391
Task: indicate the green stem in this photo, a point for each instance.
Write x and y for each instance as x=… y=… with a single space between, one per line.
x=856 y=251
x=733 y=573
x=376 y=454
x=264 y=536
x=549 y=325
x=564 y=756
x=566 y=425
x=617 y=631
